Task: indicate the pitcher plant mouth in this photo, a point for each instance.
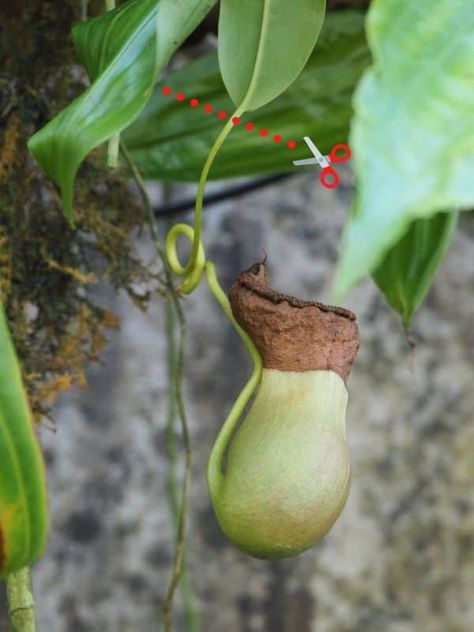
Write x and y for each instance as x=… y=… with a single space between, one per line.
x=292 y=334
x=287 y=472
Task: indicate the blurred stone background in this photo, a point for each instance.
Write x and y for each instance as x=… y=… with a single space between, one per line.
x=401 y=556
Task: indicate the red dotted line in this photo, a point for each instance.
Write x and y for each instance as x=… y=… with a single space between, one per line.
x=222 y=114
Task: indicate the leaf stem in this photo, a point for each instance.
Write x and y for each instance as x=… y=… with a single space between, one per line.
x=193 y=260
x=113 y=151
x=21 y=602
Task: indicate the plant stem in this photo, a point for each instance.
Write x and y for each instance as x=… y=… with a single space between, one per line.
x=114 y=142
x=177 y=388
x=173 y=351
x=21 y=602
x=178 y=566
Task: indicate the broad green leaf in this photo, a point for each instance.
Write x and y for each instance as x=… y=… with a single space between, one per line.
x=264 y=45
x=123 y=51
x=413 y=132
x=406 y=273
x=170 y=139
x=23 y=501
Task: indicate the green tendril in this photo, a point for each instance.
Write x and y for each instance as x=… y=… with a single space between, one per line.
x=192 y=273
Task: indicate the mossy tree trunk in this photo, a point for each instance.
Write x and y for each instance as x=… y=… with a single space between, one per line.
x=44 y=265
x=46 y=269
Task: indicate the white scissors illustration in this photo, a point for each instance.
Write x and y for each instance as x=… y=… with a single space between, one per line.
x=325 y=162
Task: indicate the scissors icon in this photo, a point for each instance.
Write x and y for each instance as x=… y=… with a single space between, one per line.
x=324 y=162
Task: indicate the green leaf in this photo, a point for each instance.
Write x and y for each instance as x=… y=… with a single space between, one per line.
x=407 y=271
x=170 y=139
x=413 y=133
x=123 y=51
x=264 y=45
x=23 y=501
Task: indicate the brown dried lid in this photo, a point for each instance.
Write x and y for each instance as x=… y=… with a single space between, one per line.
x=292 y=334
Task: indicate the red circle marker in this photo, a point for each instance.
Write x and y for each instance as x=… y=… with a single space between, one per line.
x=291 y=144
x=166 y=90
x=263 y=132
x=249 y=126
x=277 y=138
x=236 y=120
x=194 y=103
x=335 y=157
x=180 y=96
x=332 y=182
x=221 y=114
x=208 y=108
